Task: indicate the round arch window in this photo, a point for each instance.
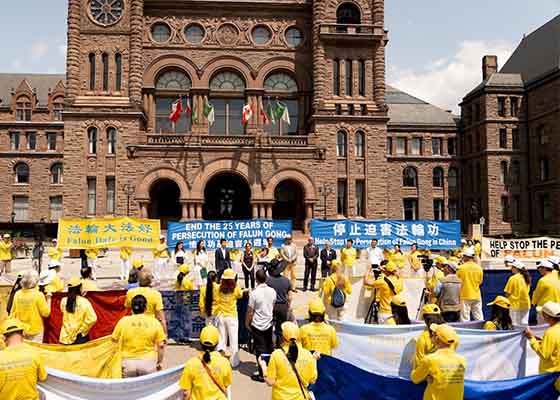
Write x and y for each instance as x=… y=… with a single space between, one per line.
x=194 y=33
x=294 y=36
x=261 y=34
x=161 y=32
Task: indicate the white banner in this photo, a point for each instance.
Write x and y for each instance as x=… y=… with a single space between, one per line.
x=528 y=250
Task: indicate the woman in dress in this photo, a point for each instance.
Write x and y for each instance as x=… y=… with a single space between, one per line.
x=200 y=269
x=248 y=263
x=179 y=253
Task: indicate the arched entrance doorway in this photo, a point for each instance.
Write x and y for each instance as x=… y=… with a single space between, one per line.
x=227 y=196
x=164 y=201
x=288 y=203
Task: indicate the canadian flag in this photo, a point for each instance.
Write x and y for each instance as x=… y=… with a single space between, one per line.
x=188 y=109
x=265 y=119
x=247 y=113
x=176 y=109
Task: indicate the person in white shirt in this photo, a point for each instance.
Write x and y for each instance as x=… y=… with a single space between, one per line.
x=259 y=319
x=375 y=254
x=200 y=269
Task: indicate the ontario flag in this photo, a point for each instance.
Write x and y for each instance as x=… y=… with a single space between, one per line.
x=176 y=109
x=247 y=113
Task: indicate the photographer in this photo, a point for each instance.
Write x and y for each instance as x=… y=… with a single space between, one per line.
x=387 y=285
x=448 y=293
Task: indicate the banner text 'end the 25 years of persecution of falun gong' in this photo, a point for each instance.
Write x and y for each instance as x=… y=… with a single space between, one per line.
x=81 y=233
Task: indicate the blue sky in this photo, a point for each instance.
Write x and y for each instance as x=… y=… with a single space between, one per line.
x=434 y=50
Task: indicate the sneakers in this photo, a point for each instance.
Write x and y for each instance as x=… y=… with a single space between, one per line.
x=257 y=377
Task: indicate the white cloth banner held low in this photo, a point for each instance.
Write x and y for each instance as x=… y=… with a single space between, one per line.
x=389 y=350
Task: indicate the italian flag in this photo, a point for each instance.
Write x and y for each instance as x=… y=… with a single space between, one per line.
x=247 y=113
x=208 y=111
x=282 y=112
x=176 y=109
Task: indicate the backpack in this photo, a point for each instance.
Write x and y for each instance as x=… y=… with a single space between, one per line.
x=338 y=297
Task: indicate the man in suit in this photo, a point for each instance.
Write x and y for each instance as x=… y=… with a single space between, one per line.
x=311 y=254
x=327 y=255
x=222 y=260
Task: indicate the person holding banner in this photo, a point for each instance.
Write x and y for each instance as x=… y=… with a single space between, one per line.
x=517 y=291
x=444 y=370
x=548 y=349
x=387 y=285
x=153 y=297
x=124 y=254
x=500 y=319
x=317 y=336
x=182 y=282
x=161 y=258
x=471 y=275
x=548 y=288
x=208 y=375
x=208 y=299
x=78 y=315
x=179 y=253
x=336 y=290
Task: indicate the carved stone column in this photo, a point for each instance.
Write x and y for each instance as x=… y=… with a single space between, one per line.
x=184 y=211
x=136 y=68
x=198 y=210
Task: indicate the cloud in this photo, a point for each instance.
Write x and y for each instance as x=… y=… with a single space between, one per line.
x=444 y=82
x=39 y=50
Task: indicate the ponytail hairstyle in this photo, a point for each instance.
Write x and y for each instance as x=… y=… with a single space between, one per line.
x=180 y=278
x=316 y=317
x=138 y=304
x=210 y=280
x=17 y=286
x=526 y=276
x=293 y=351
x=73 y=293
x=207 y=350
x=85 y=272
x=400 y=313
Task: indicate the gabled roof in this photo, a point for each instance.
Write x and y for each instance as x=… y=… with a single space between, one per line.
x=41 y=83
x=537 y=54
x=499 y=80
x=405 y=109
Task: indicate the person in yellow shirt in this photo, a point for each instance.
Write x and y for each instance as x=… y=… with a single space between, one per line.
x=124 y=254
x=228 y=323
x=548 y=349
x=434 y=277
x=471 y=275
x=208 y=299
x=500 y=320
x=182 y=282
x=56 y=284
x=91 y=255
x=548 y=288
x=425 y=343
x=6 y=247
x=88 y=284
x=141 y=340
x=30 y=307
x=78 y=315
x=15 y=288
x=54 y=252
x=155 y=301
x=444 y=369
x=348 y=257
x=399 y=312
x=413 y=260
x=517 y=291
x=20 y=366
x=161 y=258
x=387 y=285
x=337 y=280
x=272 y=252
x=317 y=336
x=398 y=257
x=208 y=375
x=477 y=249
x=279 y=373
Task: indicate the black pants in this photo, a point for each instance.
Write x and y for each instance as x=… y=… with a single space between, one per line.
x=249 y=275
x=325 y=271
x=310 y=269
x=451 y=316
x=262 y=341
x=279 y=316
x=81 y=339
x=219 y=274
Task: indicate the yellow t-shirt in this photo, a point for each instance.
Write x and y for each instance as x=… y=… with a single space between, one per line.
x=202 y=300
x=89 y=286
x=161 y=251
x=548 y=350
x=319 y=336
x=490 y=326
x=79 y=322
x=384 y=292
x=54 y=253
x=414 y=261
x=517 y=291
x=20 y=369
x=56 y=285
x=155 y=301
x=279 y=369
x=330 y=283
x=91 y=254
x=196 y=380
x=125 y=253
x=30 y=307
x=471 y=275
x=548 y=289
x=436 y=277
x=272 y=253
x=186 y=284
x=425 y=346
x=447 y=370
x=5 y=250
x=227 y=302
x=348 y=256
x=477 y=249
x=138 y=335
x=399 y=259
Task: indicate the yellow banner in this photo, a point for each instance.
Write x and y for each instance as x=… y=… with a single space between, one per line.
x=99 y=358
x=80 y=233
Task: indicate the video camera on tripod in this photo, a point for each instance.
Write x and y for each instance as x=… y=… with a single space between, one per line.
x=427 y=262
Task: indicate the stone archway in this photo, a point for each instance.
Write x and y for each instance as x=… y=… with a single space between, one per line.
x=165 y=202
x=289 y=203
x=227 y=196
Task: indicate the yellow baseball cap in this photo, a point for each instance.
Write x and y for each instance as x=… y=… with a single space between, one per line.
x=335 y=263
x=431 y=309
x=210 y=336
x=229 y=274
x=445 y=333
x=6 y=236
x=74 y=282
x=290 y=331
x=11 y=325
x=137 y=264
x=501 y=301
x=398 y=300
x=184 y=269
x=440 y=260
x=316 y=306
x=453 y=259
x=390 y=267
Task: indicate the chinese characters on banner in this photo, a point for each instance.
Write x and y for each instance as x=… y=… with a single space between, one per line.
x=435 y=235
x=236 y=232
x=79 y=233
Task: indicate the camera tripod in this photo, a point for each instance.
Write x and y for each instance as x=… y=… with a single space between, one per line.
x=372 y=316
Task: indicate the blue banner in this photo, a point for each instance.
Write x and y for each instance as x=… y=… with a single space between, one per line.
x=433 y=235
x=182 y=313
x=339 y=380
x=236 y=232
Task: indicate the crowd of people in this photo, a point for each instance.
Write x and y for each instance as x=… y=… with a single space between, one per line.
x=286 y=354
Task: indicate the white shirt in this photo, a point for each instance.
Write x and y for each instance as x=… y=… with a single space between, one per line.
x=262 y=300
x=375 y=256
